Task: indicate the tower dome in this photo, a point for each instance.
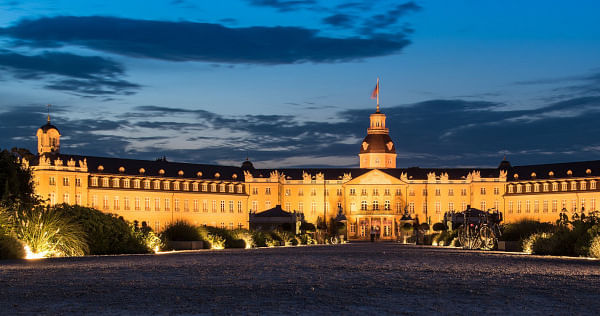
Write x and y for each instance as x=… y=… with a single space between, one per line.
x=48 y=138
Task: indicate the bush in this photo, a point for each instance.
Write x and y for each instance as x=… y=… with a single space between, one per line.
x=181 y=231
x=524 y=228
x=49 y=232
x=595 y=247
x=243 y=238
x=306 y=239
x=106 y=233
x=11 y=248
x=307 y=227
x=446 y=237
x=440 y=227
x=529 y=242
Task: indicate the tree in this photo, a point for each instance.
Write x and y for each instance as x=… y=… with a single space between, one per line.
x=16 y=182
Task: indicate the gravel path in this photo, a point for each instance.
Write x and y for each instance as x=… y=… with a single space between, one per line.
x=359 y=278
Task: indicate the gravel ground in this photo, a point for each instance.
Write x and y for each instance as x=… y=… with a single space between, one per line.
x=359 y=278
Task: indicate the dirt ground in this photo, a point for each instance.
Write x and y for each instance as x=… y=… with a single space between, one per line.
x=360 y=278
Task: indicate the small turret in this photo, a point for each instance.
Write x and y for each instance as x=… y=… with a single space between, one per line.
x=48 y=138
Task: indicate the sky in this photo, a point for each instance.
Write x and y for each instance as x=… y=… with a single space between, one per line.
x=287 y=83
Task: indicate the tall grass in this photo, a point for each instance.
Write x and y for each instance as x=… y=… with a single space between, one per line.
x=47 y=232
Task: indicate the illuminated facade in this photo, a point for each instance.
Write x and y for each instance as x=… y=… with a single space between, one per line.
x=374 y=196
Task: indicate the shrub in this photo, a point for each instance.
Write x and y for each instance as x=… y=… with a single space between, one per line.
x=595 y=247
x=245 y=236
x=286 y=237
x=307 y=227
x=306 y=239
x=440 y=227
x=49 y=232
x=524 y=228
x=532 y=239
x=181 y=231
x=446 y=237
x=407 y=227
x=215 y=241
x=106 y=233
x=11 y=248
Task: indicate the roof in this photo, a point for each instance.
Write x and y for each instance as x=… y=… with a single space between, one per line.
x=413 y=173
x=378 y=144
x=152 y=168
x=578 y=169
x=48 y=127
x=277 y=211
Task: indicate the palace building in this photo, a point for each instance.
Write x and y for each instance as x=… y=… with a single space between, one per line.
x=374 y=195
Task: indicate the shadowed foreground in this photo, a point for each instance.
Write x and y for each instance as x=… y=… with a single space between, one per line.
x=360 y=278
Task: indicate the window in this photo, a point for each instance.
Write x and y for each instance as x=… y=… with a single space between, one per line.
x=411 y=192
x=573 y=205
x=157 y=204
x=375 y=192
x=313 y=207
x=176 y=186
x=116 y=183
x=518 y=206
x=375 y=205
x=147 y=204
x=528 y=188
x=411 y=207
x=194 y=186
x=222 y=206
x=326 y=192
x=510 y=207
x=527 y=206
x=313 y=192
x=363 y=205
x=463 y=206
x=582 y=206
x=255 y=206
x=564 y=204
x=287 y=192
x=231 y=208
x=78 y=199
x=94 y=182
x=137 y=204
x=300 y=192
x=66 y=198
x=398 y=191
x=497 y=205
x=496 y=191
x=554 y=206
x=231 y=226
x=387 y=205
x=267 y=205
x=438 y=192
x=288 y=206
x=450 y=207
x=176 y=205
x=239 y=206
x=363 y=192
x=536 y=187
x=222 y=225
x=545 y=187
x=425 y=208
x=167 y=205
x=204 y=206
x=536 y=206
x=52 y=181
x=564 y=186
x=352 y=191
x=300 y=207
x=339 y=192
x=105 y=203
x=545 y=209
x=214 y=206
x=213 y=187
x=205 y=187
x=166 y=185
x=450 y=192
x=254 y=191
x=327 y=206
x=482 y=191
x=126 y=183
x=186 y=206
x=105 y=182
x=554 y=186
x=65 y=181
x=424 y=192
x=438 y=208
x=573 y=186
x=463 y=192
x=583 y=185
x=592 y=204
x=186 y=186
x=52 y=198
x=196 y=206
x=268 y=191
x=483 y=206
x=592 y=185
x=126 y=203
x=147 y=184
x=386 y=192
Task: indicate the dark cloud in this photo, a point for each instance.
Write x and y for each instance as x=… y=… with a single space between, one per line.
x=283 y=5
x=187 y=41
x=87 y=75
x=436 y=133
x=380 y=22
x=339 y=20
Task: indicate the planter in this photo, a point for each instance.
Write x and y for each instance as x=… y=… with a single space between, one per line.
x=185 y=245
x=509 y=246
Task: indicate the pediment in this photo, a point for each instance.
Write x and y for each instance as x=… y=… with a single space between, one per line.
x=375 y=177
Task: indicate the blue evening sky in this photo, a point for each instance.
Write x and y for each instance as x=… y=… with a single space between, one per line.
x=287 y=82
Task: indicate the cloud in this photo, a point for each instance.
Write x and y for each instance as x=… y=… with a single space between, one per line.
x=189 y=41
x=383 y=21
x=435 y=133
x=88 y=75
x=283 y=5
x=339 y=20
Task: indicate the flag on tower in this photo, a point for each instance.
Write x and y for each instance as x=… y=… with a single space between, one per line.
x=375 y=93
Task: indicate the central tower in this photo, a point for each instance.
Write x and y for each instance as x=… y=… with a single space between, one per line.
x=377 y=150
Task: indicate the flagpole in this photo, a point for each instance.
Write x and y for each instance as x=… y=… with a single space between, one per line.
x=377 y=94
